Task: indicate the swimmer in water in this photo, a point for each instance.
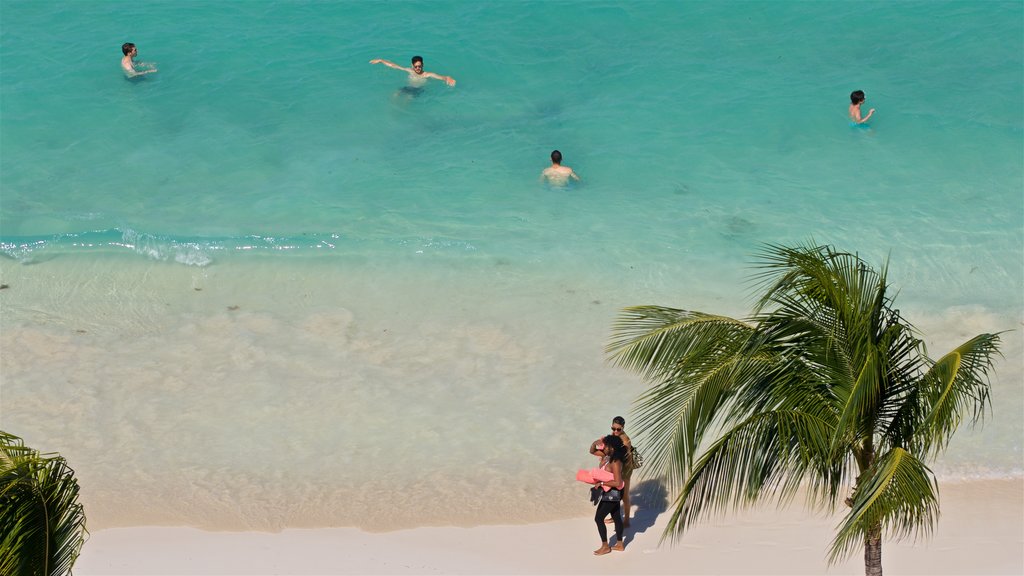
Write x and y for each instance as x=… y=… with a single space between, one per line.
x=417 y=76
x=556 y=174
x=856 y=99
x=129 y=65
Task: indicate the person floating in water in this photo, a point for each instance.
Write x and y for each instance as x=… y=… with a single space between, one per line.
x=856 y=99
x=557 y=174
x=128 y=64
x=417 y=75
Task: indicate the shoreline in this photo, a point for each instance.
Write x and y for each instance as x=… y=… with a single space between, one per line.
x=980 y=531
x=128 y=372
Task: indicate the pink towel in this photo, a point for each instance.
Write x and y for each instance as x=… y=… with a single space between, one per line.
x=594 y=475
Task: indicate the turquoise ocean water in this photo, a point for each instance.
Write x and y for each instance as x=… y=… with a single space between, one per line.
x=261 y=289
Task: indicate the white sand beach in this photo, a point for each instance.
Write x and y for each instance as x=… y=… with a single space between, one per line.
x=981 y=531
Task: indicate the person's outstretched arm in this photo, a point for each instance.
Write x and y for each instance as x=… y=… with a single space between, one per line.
x=447 y=79
x=390 y=64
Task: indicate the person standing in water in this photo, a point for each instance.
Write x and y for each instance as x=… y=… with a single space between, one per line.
x=128 y=63
x=417 y=75
x=556 y=174
x=856 y=99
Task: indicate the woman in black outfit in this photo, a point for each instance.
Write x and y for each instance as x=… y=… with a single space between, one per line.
x=614 y=456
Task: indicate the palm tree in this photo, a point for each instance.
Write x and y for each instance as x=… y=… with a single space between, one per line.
x=824 y=386
x=42 y=525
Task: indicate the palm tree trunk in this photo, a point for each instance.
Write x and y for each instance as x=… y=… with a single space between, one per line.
x=873 y=551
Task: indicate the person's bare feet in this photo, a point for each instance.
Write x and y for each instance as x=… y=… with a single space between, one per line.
x=619 y=546
x=604 y=549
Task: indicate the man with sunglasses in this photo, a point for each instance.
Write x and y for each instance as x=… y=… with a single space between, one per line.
x=597 y=447
x=417 y=75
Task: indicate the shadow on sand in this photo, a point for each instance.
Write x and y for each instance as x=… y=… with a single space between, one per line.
x=650 y=499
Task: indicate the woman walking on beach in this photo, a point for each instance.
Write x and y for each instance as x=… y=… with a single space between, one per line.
x=613 y=454
x=619 y=429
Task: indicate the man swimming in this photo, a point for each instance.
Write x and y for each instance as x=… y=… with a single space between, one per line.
x=556 y=174
x=417 y=75
x=128 y=61
x=856 y=99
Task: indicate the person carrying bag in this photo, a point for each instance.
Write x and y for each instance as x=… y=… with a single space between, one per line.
x=608 y=494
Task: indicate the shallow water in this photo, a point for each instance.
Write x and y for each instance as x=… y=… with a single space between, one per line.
x=418 y=319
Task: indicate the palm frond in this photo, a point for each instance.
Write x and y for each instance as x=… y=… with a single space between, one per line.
x=766 y=455
x=42 y=525
x=899 y=414
x=691 y=359
x=654 y=340
x=957 y=385
x=898 y=493
x=860 y=407
x=840 y=280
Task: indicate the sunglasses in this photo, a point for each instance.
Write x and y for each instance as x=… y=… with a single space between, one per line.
x=614 y=429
